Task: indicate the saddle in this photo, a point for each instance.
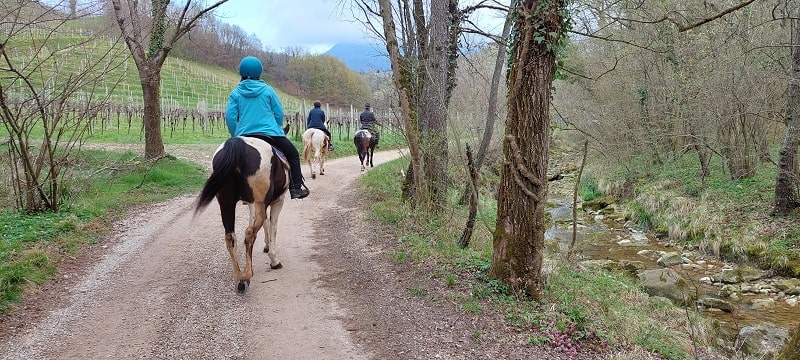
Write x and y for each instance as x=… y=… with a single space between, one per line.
x=275 y=149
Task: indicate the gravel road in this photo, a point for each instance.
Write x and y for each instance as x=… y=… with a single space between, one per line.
x=160 y=287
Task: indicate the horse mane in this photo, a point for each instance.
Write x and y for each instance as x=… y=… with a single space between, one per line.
x=232 y=152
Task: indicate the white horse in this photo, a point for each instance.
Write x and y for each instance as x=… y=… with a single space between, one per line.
x=315 y=140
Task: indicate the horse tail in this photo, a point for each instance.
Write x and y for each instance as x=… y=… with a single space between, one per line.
x=227 y=168
x=307 y=149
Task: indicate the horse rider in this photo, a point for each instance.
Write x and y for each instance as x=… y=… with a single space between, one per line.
x=316 y=120
x=368 y=122
x=255 y=110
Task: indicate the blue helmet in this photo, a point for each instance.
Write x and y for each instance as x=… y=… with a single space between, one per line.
x=250 y=68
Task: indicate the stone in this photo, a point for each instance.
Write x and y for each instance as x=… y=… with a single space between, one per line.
x=640 y=237
x=764 y=340
x=791 y=285
x=667 y=283
x=732 y=276
x=597 y=204
x=729 y=289
x=644 y=253
x=670 y=258
x=763 y=304
x=714 y=303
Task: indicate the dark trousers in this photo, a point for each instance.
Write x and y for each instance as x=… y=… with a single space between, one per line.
x=287 y=148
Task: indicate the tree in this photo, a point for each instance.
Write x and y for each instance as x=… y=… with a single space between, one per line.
x=47 y=88
x=786 y=181
x=422 y=53
x=327 y=79
x=150 y=41
x=539 y=29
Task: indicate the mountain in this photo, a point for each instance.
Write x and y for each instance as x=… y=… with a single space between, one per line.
x=362 y=57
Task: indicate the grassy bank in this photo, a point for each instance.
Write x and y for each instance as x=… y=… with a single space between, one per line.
x=586 y=309
x=718 y=215
x=104 y=185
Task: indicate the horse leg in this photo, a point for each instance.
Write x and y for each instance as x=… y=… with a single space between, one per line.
x=230 y=243
x=317 y=150
x=257 y=215
x=309 y=159
x=322 y=164
x=311 y=167
x=271 y=233
x=228 y=213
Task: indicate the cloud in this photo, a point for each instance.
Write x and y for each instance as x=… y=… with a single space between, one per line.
x=315 y=25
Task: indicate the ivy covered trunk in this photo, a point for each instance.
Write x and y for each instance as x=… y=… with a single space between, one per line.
x=522 y=197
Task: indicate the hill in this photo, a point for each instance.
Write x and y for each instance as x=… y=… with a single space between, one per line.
x=362 y=57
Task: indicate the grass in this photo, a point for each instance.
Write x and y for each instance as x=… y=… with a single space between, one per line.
x=104 y=186
x=593 y=309
x=721 y=216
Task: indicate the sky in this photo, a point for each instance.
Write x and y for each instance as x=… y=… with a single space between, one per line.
x=315 y=25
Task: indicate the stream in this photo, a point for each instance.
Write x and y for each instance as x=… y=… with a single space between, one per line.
x=602 y=238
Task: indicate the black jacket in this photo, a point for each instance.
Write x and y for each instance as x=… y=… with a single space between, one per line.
x=367 y=119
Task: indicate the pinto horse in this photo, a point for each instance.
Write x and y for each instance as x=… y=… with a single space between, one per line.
x=250 y=170
x=315 y=141
x=365 y=146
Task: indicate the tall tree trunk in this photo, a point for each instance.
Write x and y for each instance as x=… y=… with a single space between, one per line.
x=73 y=9
x=422 y=74
x=433 y=105
x=151 y=88
x=786 y=181
x=519 y=235
x=401 y=82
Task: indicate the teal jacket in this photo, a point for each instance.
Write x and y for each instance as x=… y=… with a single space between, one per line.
x=254 y=108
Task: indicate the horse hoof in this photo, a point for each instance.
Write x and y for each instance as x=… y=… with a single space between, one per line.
x=266 y=249
x=241 y=287
x=314 y=176
x=274 y=267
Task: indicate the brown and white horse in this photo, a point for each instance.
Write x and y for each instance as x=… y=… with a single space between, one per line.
x=365 y=142
x=315 y=150
x=247 y=169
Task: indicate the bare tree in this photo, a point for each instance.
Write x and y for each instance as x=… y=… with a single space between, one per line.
x=539 y=27
x=45 y=87
x=150 y=40
x=422 y=43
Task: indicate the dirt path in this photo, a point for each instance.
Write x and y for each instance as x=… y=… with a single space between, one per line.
x=160 y=287
x=164 y=289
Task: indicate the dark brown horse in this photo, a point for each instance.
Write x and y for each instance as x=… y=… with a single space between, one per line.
x=365 y=142
x=247 y=169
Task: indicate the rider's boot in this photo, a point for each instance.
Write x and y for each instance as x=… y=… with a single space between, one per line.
x=299 y=192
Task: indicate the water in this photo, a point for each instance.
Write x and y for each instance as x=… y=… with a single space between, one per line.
x=609 y=240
